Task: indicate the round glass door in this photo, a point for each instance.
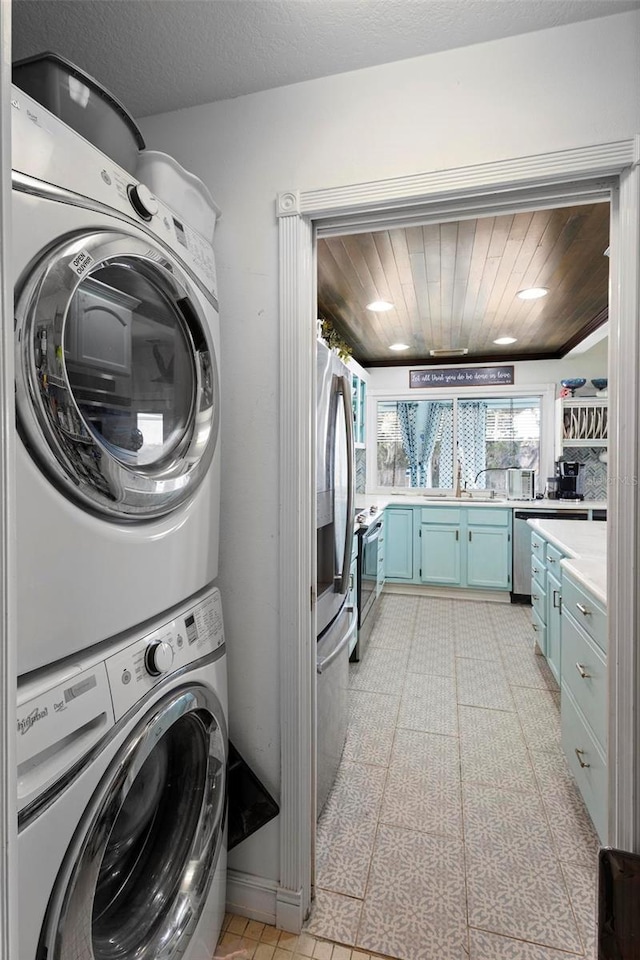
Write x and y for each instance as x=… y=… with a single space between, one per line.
x=117 y=388
x=140 y=868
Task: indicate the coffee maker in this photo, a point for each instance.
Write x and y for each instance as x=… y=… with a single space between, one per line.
x=570 y=475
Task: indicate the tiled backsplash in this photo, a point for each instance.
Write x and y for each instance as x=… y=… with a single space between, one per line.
x=595 y=472
x=361 y=470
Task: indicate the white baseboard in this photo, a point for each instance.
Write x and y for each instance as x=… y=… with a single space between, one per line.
x=290 y=911
x=448 y=593
x=250 y=896
x=260 y=899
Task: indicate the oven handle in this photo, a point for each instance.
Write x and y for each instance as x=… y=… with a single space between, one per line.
x=374 y=535
x=323 y=664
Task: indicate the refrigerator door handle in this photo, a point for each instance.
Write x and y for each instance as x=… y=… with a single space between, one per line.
x=323 y=664
x=342 y=580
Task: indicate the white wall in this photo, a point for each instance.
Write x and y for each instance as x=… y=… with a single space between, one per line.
x=591 y=364
x=552 y=90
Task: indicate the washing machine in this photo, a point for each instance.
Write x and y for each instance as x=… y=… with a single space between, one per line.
x=122 y=762
x=117 y=395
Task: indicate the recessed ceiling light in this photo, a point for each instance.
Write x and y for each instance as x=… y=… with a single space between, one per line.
x=380 y=306
x=532 y=293
x=505 y=340
x=399 y=346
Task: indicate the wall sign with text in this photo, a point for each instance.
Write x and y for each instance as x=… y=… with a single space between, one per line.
x=461 y=377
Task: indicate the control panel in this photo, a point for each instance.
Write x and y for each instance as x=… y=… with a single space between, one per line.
x=58 y=726
x=137 y=667
x=43 y=146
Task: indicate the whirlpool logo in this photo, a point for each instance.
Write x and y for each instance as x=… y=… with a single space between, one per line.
x=26 y=723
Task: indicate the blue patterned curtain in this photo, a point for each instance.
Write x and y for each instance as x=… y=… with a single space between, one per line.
x=419 y=423
x=407 y=418
x=432 y=418
x=472 y=440
x=446 y=447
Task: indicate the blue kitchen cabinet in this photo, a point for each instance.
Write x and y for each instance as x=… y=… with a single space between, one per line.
x=449 y=546
x=583 y=704
x=488 y=548
x=398 y=552
x=554 y=623
x=440 y=535
x=546 y=600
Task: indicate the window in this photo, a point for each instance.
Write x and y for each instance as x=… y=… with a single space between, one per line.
x=416 y=440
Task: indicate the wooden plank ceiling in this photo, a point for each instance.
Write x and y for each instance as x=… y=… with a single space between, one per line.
x=454 y=285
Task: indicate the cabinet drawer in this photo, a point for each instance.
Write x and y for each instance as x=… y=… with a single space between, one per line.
x=538 y=548
x=586 y=611
x=586 y=762
x=440 y=515
x=478 y=517
x=552 y=558
x=537 y=571
x=538 y=600
x=584 y=671
x=540 y=631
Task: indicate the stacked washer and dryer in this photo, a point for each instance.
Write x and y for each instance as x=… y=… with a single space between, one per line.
x=122 y=688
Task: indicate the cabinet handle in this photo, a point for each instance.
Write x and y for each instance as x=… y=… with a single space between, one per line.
x=535 y=596
x=556 y=595
x=579 y=755
x=583 y=673
x=536 y=546
x=534 y=627
x=583 y=610
x=470 y=535
x=550 y=560
x=457 y=534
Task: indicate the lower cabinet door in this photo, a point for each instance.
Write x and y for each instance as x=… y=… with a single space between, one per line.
x=398 y=552
x=554 y=625
x=488 y=558
x=440 y=554
x=586 y=761
x=540 y=630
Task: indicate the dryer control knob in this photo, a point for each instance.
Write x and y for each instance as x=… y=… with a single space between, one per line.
x=143 y=201
x=158 y=658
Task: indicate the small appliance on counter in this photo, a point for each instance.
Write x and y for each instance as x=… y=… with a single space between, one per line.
x=570 y=480
x=521 y=484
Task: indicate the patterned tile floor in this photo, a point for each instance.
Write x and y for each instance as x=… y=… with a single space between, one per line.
x=454 y=829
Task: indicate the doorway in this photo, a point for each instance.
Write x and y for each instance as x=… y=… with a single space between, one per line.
x=599 y=172
x=453 y=752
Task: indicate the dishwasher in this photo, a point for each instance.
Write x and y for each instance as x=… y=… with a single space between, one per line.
x=522 y=543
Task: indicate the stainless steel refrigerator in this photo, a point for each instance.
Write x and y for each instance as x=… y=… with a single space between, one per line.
x=337 y=618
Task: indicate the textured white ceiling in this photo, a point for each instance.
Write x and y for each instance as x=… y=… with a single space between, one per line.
x=159 y=55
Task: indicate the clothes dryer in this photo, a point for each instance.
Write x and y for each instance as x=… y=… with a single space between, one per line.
x=117 y=396
x=122 y=761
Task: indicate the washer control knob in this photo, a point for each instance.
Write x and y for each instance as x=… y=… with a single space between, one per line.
x=158 y=657
x=143 y=201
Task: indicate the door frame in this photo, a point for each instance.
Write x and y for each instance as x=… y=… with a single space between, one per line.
x=598 y=171
x=8 y=650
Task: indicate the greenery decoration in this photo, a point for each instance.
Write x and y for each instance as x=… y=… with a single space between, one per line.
x=334 y=341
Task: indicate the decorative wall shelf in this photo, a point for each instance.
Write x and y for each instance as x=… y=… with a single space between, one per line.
x=582 y=422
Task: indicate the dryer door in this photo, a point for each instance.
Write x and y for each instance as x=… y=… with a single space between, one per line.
x=138 y=871
x=117 y=384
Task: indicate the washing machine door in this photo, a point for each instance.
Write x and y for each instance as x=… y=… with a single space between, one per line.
x=138 y=871
x=116 y=377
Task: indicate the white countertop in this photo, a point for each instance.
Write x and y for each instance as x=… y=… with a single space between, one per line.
x=380 y=501
x=585 y=543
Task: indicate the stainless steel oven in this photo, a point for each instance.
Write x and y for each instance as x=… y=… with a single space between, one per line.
x=369 y=540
